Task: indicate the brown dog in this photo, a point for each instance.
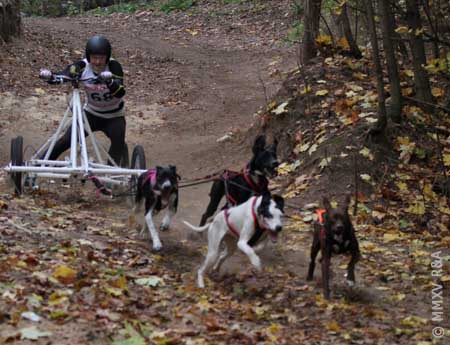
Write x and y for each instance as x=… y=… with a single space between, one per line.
x=334 y=234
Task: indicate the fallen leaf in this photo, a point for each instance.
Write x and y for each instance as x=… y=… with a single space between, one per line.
x=32 y=333
x=65 y=274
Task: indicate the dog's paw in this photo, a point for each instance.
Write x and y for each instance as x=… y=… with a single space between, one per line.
x=164 y=227
x=157 y=247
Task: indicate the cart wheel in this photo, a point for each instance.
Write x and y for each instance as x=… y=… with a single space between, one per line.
x=137 y=162
x=125 y=159
x=138 y=158
x=17 y=160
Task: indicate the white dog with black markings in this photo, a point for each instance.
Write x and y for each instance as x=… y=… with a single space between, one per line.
x=251 y=224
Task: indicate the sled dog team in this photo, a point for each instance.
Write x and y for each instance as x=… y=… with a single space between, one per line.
x=250 y=218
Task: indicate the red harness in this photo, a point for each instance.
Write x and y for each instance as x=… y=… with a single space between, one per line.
x=232 y=228
x=320 y=213
x=256 y=188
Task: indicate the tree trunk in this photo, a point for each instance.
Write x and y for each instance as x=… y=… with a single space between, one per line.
x=354 y=50
x=421 y=80
x=382 y=117
x=312 y=20
x=386 y=14
x=9 y=19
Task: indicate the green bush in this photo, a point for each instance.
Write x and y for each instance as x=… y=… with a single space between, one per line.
x=172 y=5
x=295 y=33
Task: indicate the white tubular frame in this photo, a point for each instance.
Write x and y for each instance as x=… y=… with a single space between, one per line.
x=75 y=167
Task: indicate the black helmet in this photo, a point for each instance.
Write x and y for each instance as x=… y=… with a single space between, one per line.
x=98 y=45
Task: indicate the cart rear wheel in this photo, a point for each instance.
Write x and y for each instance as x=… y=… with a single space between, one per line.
x=137 y=162
x=17 y=160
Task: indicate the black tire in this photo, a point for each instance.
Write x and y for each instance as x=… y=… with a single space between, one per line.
x=125 y=159
x=17 y=160
x=138 y=158
x=137 y=162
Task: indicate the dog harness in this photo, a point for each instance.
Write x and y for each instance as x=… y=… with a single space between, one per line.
x=320 y=213
x=337 y=247
x=150 y=175
x=258 y=229
x=256 y=189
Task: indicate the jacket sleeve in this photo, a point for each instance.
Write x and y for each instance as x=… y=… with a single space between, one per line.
x=116 y=86
x=76 y=68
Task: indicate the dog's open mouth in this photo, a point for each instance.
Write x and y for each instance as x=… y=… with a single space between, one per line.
x=273 y=236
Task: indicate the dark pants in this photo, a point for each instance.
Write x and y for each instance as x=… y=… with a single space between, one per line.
x=113 y=128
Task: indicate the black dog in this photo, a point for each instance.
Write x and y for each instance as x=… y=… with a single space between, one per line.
x=334 y=234
x=158 y=187
x=239 y=187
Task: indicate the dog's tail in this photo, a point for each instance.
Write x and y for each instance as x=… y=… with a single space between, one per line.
x=197 y=228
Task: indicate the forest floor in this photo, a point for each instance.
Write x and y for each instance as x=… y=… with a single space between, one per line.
x=69 y=257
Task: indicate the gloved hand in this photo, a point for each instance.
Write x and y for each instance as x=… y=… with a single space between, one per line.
x=45 y=74
x=106 y=76
x=74 y=71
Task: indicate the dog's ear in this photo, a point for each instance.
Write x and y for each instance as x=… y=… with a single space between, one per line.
x=326 y=204
x=279 y=200
x=265 y=203
x=347 y=200
x=260 y=144
x=173 y=169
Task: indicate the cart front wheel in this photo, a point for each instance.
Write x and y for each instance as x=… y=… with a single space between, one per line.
x=17 y=160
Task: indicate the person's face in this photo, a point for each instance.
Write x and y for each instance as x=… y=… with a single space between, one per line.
x=98 y=62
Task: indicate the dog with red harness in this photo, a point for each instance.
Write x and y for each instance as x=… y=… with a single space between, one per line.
x=238 y=187
x=334 y=234
x=157 y=189
x=247 y=226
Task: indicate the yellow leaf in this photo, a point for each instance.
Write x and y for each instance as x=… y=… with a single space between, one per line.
x=414 y=321
x=333 y=326
x=360 y=76
x=324 y=40
x=402 y=186
x=409 y=73
x=343 y=44
x=365 y=152
x=192 y=32
x=65 y=274
x=402 y=30
x=417 y=208
x=113 y=291
x=120 y=283
x=306 y=89
x=398 y=297
x=446 y=159
x=390 y=237
x=407 y=91
x=321 y=92
x=437 y=92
